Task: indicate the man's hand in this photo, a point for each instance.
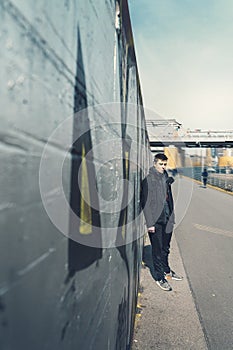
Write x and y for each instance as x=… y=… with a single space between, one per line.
x=151 y=229
x=170 y=180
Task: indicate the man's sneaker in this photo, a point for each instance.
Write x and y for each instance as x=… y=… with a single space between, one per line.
x=163 y=284
x=172 y=275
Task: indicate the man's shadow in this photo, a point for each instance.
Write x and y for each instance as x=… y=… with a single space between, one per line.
x=147 y=259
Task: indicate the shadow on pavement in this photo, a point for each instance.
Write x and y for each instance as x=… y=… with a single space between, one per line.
x=147 y=259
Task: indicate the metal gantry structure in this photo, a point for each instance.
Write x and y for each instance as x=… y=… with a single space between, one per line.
x=169 y=132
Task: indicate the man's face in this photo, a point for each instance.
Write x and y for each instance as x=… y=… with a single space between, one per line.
x=160 y=165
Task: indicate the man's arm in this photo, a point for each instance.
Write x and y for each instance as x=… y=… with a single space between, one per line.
x=146 y=205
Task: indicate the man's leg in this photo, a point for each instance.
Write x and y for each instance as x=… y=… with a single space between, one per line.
x=166 y=239
x=165 y=254
x=156 y=240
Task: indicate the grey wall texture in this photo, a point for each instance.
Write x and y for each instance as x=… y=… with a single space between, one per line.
x=69 y=83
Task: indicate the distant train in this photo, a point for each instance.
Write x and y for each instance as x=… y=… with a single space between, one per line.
x=74 y=149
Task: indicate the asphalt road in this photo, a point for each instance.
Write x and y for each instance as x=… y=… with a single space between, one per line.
x=205 y=240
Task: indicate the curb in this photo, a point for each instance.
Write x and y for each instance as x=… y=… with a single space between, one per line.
x=211 y=186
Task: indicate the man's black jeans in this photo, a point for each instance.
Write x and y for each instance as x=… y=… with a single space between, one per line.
x=160 y=242
x=204 y=181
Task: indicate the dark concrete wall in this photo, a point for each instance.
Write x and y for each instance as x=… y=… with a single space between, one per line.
x=58 y=58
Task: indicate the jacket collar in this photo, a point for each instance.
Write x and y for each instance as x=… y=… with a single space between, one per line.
x=154 y=172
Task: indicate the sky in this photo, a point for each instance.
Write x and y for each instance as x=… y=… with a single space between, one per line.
x=184 y=51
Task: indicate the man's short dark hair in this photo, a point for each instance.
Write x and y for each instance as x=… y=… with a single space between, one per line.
x=160 y=156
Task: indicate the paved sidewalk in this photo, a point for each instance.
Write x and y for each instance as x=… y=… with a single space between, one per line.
x=169 y=320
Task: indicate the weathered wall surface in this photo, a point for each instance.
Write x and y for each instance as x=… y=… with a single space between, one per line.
x=58 y=58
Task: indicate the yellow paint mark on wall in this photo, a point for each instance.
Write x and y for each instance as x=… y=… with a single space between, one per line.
x=123 y=226
x=85 y=209
x=127 y=164
x=127 y=177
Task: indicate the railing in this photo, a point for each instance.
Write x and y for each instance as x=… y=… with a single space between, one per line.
x=219 y=179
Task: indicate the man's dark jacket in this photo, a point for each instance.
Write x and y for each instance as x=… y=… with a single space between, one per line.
x=156 y=191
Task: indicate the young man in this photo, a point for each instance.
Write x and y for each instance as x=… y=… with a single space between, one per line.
x=204 y=175
x=157 y=203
